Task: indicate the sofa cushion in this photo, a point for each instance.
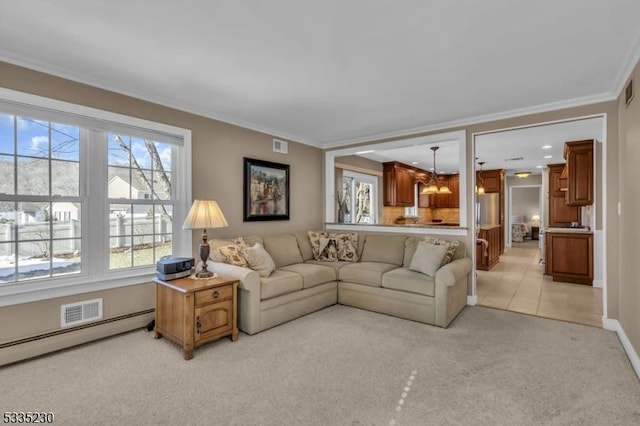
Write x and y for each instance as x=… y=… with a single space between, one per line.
x=335 y=265
x=305 y=245
x=312 y=275
x=259 y=260
x=410 y=246
x=428 y=258
x=406 y=280
x=283 y=249
x=367 y=273
x=384 y=248
x=280 y=282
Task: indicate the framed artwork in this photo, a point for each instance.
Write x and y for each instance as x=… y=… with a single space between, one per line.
x=266 y=190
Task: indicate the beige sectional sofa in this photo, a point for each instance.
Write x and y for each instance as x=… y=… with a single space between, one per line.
x=379 y=281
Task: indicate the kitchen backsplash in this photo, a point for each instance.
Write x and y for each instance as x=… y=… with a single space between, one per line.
x=390 y=214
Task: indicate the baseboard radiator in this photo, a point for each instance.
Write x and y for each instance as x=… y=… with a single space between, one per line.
x=33 y=346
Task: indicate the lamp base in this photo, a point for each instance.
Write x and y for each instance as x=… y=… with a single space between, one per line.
x=204 y=274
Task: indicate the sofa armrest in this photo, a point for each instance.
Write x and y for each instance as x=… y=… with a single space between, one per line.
x=454 y=271
x=248 y=294
x=248 y=279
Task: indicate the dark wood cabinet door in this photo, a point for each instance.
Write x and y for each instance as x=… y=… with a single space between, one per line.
x=580 y=173
x=570 y=257
x=560 y=213
x=454 y=186
x=404 y=188
x=397 y=185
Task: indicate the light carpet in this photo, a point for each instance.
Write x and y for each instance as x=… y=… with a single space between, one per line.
x=342 y=366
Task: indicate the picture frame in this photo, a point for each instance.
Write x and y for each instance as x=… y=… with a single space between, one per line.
x=266 y=190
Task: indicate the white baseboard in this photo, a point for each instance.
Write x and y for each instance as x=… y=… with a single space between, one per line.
x=614 y=325
x=472 y=300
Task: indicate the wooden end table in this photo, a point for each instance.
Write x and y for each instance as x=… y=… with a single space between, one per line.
x=194 y=311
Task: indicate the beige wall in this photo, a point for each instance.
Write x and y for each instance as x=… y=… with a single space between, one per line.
x=629 y=234
x=217 y=172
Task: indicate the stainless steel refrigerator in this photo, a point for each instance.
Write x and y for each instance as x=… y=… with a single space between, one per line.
x=488 y=209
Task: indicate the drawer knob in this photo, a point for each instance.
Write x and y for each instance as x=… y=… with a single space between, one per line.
x=215 y=294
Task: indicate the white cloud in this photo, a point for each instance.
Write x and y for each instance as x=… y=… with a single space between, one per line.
x=36 y=141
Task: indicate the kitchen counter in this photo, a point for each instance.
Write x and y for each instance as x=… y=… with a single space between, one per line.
x=568 y=230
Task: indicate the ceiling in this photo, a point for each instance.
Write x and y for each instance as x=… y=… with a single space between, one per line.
x=526 y=149
x=331 y=72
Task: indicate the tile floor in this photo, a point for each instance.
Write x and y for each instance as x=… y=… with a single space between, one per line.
x=517 y=284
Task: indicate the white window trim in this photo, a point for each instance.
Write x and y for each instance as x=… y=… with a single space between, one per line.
x=366 y=178
x=31 y=291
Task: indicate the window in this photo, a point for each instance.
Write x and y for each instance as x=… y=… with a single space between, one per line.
x=84 y=198
x=360 y=201
x=140 y=201
x=40 y=203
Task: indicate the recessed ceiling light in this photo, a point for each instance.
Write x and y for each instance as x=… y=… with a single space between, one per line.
x=369 y=151
x=431 y=169
x=548 y=156
x=539 y=166
x=414 y=163
x=547 y=147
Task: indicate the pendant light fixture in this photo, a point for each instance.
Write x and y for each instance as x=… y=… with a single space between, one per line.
x=433 y=186
x=480 y=186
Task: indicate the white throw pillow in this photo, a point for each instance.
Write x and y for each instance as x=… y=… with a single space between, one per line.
x=259 y=260
x=428 y=258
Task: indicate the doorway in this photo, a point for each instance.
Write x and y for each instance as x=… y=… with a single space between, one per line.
x=517 y=282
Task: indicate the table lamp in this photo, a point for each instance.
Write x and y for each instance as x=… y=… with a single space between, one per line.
x=535 y=219
x=202 y=215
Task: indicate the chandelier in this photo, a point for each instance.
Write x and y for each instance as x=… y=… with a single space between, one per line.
x=433 y=186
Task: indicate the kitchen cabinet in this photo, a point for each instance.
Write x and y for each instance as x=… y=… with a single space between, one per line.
x=492 y=180
x=560 y=213
x=569 y=256
x=398 y=183
x=579 y=172
x=488 y=247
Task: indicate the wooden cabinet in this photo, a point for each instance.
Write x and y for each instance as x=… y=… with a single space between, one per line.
x=488 y=247
x=398 y=185
x=560 y=214
x=569 y=256
x=579 y=172
x=492 y=180
x=192 y=312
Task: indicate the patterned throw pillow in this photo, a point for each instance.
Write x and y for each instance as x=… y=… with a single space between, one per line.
x=346 y=245
x=327 y=250
x=314 y=239
x=234 y=253
x=452 y=246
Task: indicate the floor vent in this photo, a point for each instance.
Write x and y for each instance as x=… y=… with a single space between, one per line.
x=80 y=312
x=280 y=146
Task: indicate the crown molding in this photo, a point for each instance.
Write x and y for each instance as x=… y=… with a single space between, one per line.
x=627 y=67
x=552 y=106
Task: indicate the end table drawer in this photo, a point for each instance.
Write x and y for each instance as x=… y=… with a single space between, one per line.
x=214 y=294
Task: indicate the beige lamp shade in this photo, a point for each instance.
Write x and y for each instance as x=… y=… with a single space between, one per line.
x=205 y=214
